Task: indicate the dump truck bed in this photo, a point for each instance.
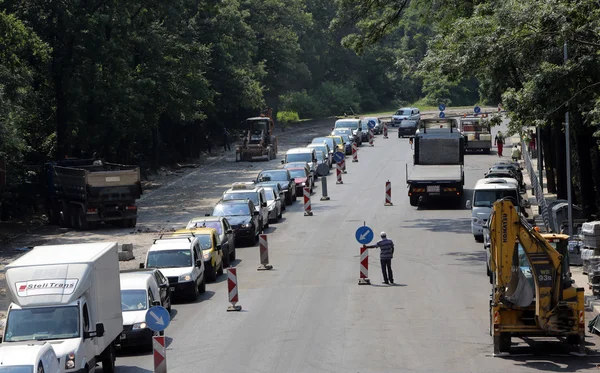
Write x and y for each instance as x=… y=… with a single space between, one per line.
x=434 y=173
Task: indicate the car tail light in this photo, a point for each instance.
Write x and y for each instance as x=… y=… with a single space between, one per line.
x=131 y=208
x=92 y=211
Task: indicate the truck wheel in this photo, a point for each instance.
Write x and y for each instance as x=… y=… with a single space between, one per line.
x=288 y=199
x=202 y=287
x=131 y=223
x=221 y=269
x=414 y=200
x=64 y=217
x=108 y=359
x=196 y=291
x=82 y=223
x=226 y=260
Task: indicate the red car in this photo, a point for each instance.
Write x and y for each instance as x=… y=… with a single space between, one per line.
x=303 y=179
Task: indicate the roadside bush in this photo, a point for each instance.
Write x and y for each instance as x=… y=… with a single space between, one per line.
x=338 y=98
x=287 y=117
x=305 y=105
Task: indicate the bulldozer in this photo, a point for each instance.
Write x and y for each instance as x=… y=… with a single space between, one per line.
x=258 y=141
x=532 y=291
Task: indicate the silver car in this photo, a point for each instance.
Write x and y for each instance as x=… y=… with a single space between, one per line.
x=273 y=204
x=407 y=113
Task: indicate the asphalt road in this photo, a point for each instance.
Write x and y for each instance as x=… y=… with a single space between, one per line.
x=309 y=315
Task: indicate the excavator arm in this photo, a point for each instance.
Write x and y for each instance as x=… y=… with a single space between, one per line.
x=507 y=230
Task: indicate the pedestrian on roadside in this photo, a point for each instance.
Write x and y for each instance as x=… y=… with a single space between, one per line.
x=499 y=141
x=516 y=153
x=386 y=254
x=531 y=142
x=208 y=143
x=226 y=135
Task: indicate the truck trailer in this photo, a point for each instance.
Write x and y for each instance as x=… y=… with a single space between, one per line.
x=437 y=161
x=69 y=295
x=81 y=192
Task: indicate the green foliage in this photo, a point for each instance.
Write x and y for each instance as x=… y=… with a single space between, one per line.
x=287 y=117
x=302 y=103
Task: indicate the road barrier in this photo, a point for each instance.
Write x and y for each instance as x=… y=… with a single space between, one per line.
x=307 y=209
x=264 y=253
x=385 y=133
x=160 y=354
x=364 y=266
x=232 y=286
x=537 y=189
x=343 y=164
x=371 y=137
x=354 y=152
x=324 y=196
x=338 y=172
x=388 y=194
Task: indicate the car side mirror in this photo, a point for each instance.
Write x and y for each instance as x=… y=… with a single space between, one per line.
x=468 y=204
x=256 y=213
x=282 y=161
x=142 y=265
x=219 y=247
x=199 y=263
x=155 y=303
x=98 y=333
x=229 y=231
x=264 y=204
x=162 y=286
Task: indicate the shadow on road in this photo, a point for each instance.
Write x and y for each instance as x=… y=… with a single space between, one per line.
x=131 y=369
x=445 y=203
x=551 y=356
x=442 y=225
x=469 y=256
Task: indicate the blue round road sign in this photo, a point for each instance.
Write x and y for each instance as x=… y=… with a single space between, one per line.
x=477 y=110
x=442 y=114
x=158 y=318
x=442 y=107
x=371 y=124
x=338 y=156
x=364 y=235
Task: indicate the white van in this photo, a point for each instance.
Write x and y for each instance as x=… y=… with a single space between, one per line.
x=29 y=358
x=485 y=193
x=308 y=155
x=254 y=193
x=69 y=295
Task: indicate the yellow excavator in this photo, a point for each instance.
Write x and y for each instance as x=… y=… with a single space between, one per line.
x=532 y=291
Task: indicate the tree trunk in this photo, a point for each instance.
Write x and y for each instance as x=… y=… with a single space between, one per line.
x=62 y=115
x=549 y=160
x=561 y=160
x=596 y=170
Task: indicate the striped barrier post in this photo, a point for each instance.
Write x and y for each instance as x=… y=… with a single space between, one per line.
x=232 y=288
x=160 y=354
x=338 y=172
x=364 y=266
x=264 y=253
x=371 y=137
x=354 y=152
x=307 y=209
x=385 y=133
x=388 y=194
x=343 y=165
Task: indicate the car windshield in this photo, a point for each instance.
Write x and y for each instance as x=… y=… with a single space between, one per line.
x=320 y=156
x=320 y=148
x=345 y=137
x=273 y=175
x=347 y=124
x=206 y=224
x=234 y=209
x=485 y=198
x=408 y=123
x=320 y=140
x=134 y=300
x=252 y=196
x=498 y=174
x=169 y=258
x=16 y=369
x=298 y=173
x=402 y=112
x=298 y=157
x=270 y=194
x=205 y=241
x=337 y=140
x=42 y=323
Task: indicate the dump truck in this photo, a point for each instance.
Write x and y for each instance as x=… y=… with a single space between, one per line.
x=478 y=131
x=258 y=140
x=532 y=290
x=84 y=192
x=438 y=161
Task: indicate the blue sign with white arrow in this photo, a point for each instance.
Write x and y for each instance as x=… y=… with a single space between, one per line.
x=371 y=124
x=442 y=114
x=442 y=107
x=158 y=318
x=338 y=157
x=364 y=235
x=477 y=110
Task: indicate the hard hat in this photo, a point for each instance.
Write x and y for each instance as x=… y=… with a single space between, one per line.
x=383 y=234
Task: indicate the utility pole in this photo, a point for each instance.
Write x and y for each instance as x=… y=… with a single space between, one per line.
x=568 y=149
x=540 y=160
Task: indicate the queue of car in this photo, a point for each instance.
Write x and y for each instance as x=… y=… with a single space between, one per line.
x=178 y=265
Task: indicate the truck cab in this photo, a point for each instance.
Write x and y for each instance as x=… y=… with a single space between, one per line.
x=70 y=296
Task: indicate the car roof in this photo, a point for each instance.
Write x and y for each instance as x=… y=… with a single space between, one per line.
x=350 y=120
x=273 y=170
x=236 y=201
x=297 y=168
x=139 y=270
x=496 y=183
x=299 y=150
x=206 y=218
x=134 y=281
x=322 y=145
x=408 y=108
x=201 y=231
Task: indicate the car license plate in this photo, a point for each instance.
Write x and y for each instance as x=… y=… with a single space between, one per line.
x=123 y=336
x=172 y=288
x=433 y=189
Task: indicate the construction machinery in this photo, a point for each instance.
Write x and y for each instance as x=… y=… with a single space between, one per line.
x=478 y=131
x=532 y=291
x=258 y=139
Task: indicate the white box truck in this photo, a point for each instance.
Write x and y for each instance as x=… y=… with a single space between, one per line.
x=70 y=296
